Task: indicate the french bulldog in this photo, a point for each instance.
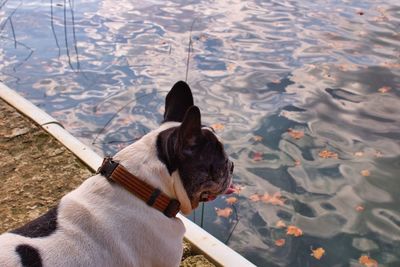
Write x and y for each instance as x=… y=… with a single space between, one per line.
x=102 y=224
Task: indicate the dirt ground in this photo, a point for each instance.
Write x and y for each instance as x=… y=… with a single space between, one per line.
x=36 y=171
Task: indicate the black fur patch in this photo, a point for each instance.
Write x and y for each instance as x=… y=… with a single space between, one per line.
x=177 y=102
x=30 y=256
x=196 y=153
x=166 y=141
x=199 y=163
x=43 y=226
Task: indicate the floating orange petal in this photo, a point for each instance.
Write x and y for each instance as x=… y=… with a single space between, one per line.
x=367 y=261
x=365 y=173
x=224 y=212
x=218 y=126
x=280 y=242
x=390 y=65
x=255 y=197
x=284 y=114
x=257 y=156
x=230 y=66
x=360 y=208
x=237 y=188
x=293 y=230
x=325 y=154
x=318 y=253
x=265 y=198
x=257 y=138
x=277 y=199
x=295 y=133
x=203 y=37
x=359 y=154
x=297 y=162
x=384 y=89
x=280 y=224
x=231 y=200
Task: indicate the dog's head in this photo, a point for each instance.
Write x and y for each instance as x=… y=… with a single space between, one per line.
x=193 y=149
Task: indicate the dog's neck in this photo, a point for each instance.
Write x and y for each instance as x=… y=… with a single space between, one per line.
x=140 y=158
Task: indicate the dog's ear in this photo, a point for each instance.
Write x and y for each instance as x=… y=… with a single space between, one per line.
x=177 y=102
x=190 y=128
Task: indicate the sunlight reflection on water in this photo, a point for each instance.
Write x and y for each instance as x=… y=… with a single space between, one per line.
x=258 y=68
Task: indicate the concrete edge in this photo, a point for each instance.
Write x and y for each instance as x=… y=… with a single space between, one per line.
x=52 y=126
x=214 y=250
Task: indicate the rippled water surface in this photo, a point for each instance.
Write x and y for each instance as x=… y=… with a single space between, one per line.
x=328 y=68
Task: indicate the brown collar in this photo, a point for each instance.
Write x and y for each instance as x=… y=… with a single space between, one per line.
x=153 y=197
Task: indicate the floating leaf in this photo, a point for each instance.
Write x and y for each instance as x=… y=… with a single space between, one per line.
x=384 y=89
x=280 y=224
x=230 y=66
x=224 y=212
x=325 y=154
x=218 y=126
x=360 y=13
x=257 y=156
x=378 y=154
x=359 y=154
x=297 y=162
x=365 y=173
x=293 y=230
x=255 y=197
x=391 y=65
x=276 y=199
x=280 y=242
x=318 y=253
x=295 y=133
x=231 y=200
x=237 y=188
x=351 y=67
x=265 y=198
x=284 y=114
x=257 y=138
x=360 y=208
x=203 y=37
x=367 y=261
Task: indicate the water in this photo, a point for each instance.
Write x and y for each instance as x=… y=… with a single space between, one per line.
x=258 y=68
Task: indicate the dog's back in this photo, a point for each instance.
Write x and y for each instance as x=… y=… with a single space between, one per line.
x=85 y=234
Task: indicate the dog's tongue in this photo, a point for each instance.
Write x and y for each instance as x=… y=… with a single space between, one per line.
x=211 y=197
x=230 y=190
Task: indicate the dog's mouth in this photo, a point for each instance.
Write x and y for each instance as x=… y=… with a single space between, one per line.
x=212 y=188
x=209 y=196
x=226 y=187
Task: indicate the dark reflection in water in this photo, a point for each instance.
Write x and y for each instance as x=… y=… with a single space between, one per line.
x=328 y=68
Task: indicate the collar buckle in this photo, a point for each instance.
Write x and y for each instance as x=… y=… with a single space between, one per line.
x=172 y=209
x=107 y=167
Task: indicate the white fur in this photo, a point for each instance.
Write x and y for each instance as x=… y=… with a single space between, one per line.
x=102 y=224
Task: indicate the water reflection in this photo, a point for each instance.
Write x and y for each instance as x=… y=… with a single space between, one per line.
x=329 y=69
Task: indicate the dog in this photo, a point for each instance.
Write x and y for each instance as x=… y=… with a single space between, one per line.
x=102 y=223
